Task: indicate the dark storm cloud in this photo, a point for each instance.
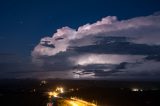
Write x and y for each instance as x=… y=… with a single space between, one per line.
x=153 y=57
x=105 y=67
x=116 y=46
x=101 y=70
x=60 y=63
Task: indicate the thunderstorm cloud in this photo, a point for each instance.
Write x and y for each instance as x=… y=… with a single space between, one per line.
x=109 y=48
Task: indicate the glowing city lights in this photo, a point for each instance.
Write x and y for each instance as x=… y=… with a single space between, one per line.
x=55 y=93
x=60 y=90
x=73 y=101
x=136 y=90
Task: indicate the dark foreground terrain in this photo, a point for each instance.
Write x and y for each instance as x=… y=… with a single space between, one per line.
x=30 y=92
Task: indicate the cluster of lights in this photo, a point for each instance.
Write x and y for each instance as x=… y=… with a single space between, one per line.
x=56 y=92
x=43 y=82
x=52 y=94
x=73 y=101
x=72 y=89
x=136 y=89
x=60 y=90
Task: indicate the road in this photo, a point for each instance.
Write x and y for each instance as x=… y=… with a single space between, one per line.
x=78 y=102
x=73 y=102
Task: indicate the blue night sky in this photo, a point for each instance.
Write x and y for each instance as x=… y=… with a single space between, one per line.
x=27 y=38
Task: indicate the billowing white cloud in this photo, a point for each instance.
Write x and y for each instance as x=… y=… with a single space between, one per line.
x=143 y=29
